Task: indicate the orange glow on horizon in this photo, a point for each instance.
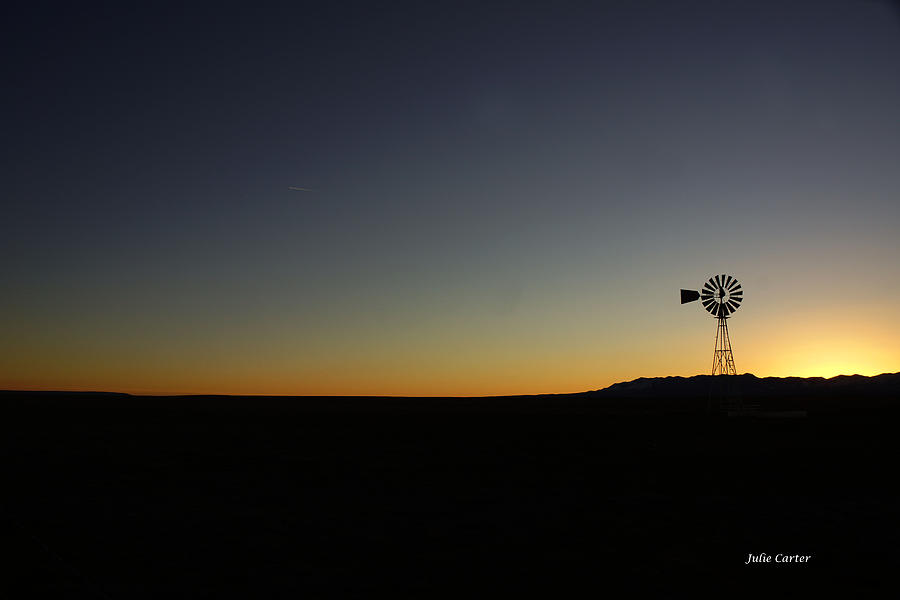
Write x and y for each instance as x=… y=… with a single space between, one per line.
x=537 y=353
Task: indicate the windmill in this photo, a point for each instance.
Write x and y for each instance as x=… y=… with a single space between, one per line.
x=720 y=296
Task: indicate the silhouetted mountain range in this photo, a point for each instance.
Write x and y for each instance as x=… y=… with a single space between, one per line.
x=813 y=394
x=757 y=387
x=746 y=394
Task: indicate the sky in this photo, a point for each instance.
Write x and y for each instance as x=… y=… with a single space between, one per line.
x=496 y=198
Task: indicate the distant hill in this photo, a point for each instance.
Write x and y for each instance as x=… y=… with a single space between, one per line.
x=752 y=385
x=815 y=394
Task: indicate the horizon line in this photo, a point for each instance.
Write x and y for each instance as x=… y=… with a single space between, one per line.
x=390 y=396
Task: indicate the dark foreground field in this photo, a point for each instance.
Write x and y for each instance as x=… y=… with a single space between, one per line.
x=113 y=496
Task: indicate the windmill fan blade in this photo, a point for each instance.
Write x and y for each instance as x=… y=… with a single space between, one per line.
x=728 y=281
x=689 y=296
x=732 y=306
x=736 y=289
x=738 y=297
x=709 y=286
x=733 y=285
x=711 y=308
x=718 y=283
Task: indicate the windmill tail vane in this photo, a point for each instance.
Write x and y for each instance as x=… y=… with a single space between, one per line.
x=721 y=296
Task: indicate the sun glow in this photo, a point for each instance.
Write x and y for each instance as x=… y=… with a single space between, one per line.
x=837 y=359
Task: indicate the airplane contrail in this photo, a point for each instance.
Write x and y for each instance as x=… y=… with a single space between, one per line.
x=298 y=189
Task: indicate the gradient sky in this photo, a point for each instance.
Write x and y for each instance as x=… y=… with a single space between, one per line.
x=505 y=200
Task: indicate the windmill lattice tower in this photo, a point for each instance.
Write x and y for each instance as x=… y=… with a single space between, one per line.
x=720 y=296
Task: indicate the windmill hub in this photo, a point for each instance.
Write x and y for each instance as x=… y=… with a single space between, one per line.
x=720 y=296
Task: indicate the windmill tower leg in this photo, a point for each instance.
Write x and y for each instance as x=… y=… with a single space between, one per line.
x=729 y=357
x=723 y=359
